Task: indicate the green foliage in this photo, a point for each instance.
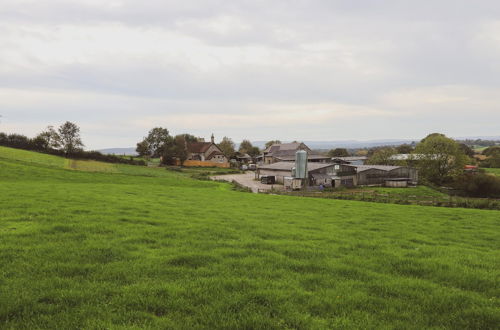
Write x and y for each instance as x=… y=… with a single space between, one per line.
x=227 y=146
x=382 y=156
x=68 y=138
x=479 y=185
x=440 y=159
x=48 y=139
x=143 y=149
x=338 y=152
x=245 y=146
x=155 y=249
x=493 y=159
x=491 y=151
x=404 y=149
x=467 y=150
x=156 y=142
x=270 y=143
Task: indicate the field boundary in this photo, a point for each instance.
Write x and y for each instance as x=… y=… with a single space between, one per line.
x=373 y=196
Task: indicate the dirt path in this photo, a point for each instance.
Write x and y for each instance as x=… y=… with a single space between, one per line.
x=248 y=181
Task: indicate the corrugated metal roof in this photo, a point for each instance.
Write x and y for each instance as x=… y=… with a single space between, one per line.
x=291 y=158
x=361 y=168
x=353 y=158
x=285 y=149
x=287 y=166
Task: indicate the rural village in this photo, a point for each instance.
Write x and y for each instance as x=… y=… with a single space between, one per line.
x=250 y=165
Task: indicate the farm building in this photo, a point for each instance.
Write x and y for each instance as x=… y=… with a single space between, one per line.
x=243 y=158
x=384 y=175
x=285 y=152
x=318 y=173
x=337 y=175
x=355 y=160
x=205 y=154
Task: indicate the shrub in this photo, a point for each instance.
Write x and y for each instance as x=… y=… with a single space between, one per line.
x=479 y=185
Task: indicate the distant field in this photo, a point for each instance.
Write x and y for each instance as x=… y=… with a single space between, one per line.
x=479 y=149
x=137 y=247
x=495 y=171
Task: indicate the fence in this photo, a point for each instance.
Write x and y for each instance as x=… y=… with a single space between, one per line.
x=199 y=163
x=450 y=201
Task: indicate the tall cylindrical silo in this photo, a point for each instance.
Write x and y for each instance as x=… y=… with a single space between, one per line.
x=301 y=164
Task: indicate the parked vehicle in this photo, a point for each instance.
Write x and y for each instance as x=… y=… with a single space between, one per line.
x=268 y=179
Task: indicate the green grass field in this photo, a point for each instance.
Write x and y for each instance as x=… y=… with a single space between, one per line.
x=495 y=171
x=98 y=246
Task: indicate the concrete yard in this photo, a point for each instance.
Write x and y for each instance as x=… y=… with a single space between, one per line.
x=248 y=180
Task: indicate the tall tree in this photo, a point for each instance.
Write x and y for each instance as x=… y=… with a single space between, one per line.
x=253 y=151
x=143 y=149
x=404 y=149
x=245 y=146
x=467 y=150
x=180 y=146
x=156 y=139
x=338 y=152
x=382 y=156
x=69 y=138
x=441 y=158
x=270 y=143
x=227 y=146
x=48 y=139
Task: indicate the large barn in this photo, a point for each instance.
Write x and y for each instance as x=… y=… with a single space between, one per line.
x=318 y=173
x=285 y=152
x=337 y=175
x=384 y=174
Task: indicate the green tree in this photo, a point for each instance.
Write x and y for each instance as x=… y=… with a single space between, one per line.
x=180 y=146
x=48 y=139
x=467 y=150
x=404 y=149
x=157 y=138
x=338 y=152
x=382 y=156
x=189 y=138
x=143 y=149
x=253 y=151
x=68 y=138
x=245 y=146
x=155 y=141
x=227 y=146
x=491 y=151
x=168 y=151
x=270 y=143
x=440 y=158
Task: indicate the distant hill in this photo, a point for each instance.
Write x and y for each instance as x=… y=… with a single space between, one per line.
x=325 y=145
x=119 y=151
x=350 y=144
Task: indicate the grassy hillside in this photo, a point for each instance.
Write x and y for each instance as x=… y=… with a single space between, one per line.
x=495 y=171
x=143 y=247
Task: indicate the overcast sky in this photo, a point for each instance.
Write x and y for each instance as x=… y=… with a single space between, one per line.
x=289 y=70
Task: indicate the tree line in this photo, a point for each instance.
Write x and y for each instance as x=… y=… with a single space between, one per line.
x=64 y=141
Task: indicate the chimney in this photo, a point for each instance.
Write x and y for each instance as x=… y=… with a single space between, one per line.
x=213 y=139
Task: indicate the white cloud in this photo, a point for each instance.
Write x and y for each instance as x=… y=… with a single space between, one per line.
x=251 y=69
